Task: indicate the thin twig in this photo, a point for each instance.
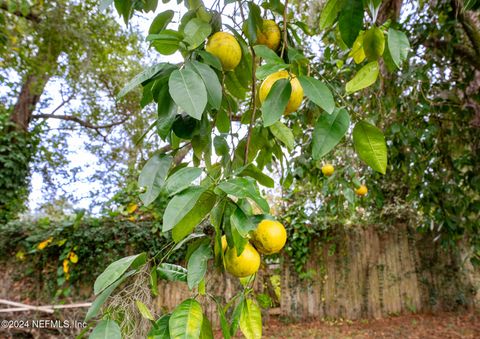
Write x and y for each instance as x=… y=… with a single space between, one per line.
x=284 y=46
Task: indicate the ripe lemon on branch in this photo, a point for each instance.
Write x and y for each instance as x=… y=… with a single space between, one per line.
x=269 y=35
x=226 y=48
x=296 y=96
x=269 y=237
x=243 y=265
x=327 y=170
x=362 y=190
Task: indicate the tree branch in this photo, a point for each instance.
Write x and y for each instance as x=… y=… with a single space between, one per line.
x=78 y=120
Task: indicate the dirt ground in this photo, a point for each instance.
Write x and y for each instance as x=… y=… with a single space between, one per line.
x=441 y=326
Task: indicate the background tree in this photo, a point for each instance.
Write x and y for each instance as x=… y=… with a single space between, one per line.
x=85 y=61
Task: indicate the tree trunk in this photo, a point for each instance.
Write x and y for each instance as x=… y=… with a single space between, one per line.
x=28 y=99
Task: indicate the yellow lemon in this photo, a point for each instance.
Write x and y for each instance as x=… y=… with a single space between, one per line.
x=327 y=170
x=296 y=96
x=244 y=265
x=226 y=48
x=373 y=43
x=269 y=237
x=362 y=190
x=269 y=35
x=224 y=243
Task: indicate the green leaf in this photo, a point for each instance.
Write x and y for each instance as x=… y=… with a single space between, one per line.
x=242 y=222
x=265 y=70
x=267 y=54
x=144 y=311
x=350 y=21
x=161 y=21
x=153 y=282
x=398 y=46
x=329 y=14
x=153 y=177
x=186 y=210
x=188 y=91
x=212 y=84
x=251 y=320
x=167 y=111
x=254 y=172
x=181 y=179
x=254 y=22
x=365 y=77
x=277 y=99
x=106 y=329
x=206 y=332
x=160 y=328
x=318 y=92
x=244 y=188
x=283 y=133
x=197 y=265
x=172 y=272
x=196 y=31
x=186 y=320
x=370 y=146
x=211 y=59
x=236 y=316
x=145 y=75
x=102 y=297
x=329 y=130
x=116 y=269
x=166 y=42
x=234 y=86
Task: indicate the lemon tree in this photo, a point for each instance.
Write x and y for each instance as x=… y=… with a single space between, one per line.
x=240 y=71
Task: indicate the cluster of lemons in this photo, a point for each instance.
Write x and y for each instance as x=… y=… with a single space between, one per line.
x=269 y=238
x=227 y=49
x=328 y=170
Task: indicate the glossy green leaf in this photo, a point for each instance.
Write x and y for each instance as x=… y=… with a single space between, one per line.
x=186 y=210
x=365 y=77
x=106 y=329
x=211 y=59
x=102 y=297
x=254 y=172
x=172 y=272
x=329 y=130
x=370 y=146
x=277 y=99
x=283 y=133
x=242 y=222
x=161 y=21
x=160 y=328
x=167 y=111
x=153 y=177
x=181 y=179
x=116 y=269
x=244 y=188
x=188 y=91
x=206 y=332
x=318 y=92
x=265 y=70
x=145 y=75
x=210 y=79
x=197 y=264
x=329 y=14
x=350 y=20
x=196 y=31
x=269 y=55
x=398 y=46
x=251 y=320
x=186 y=320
